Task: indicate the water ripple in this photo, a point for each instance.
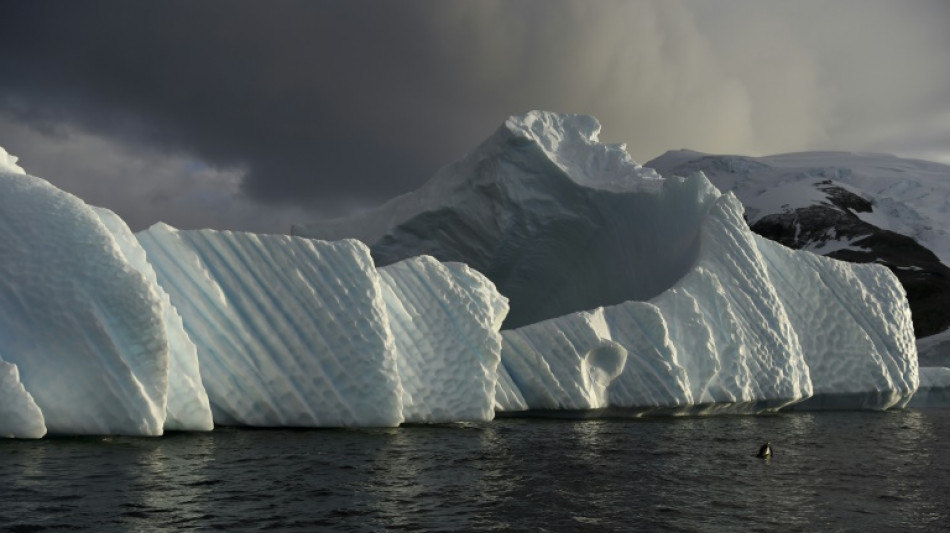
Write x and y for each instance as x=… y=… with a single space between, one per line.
x=845 y=471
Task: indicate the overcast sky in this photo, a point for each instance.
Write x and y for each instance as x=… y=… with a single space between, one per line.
x=256 y=115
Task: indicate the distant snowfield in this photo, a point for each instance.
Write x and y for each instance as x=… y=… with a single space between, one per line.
x=910 y=197
x=658 y=299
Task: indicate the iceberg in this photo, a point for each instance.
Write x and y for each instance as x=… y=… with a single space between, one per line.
x=19 y=415
x=934 y=389
x=289 y=331
x=559 y=222
x=546 y=271
x=8 y=163
x=108 y=332
x=187 y=408
x=306 y=333
x=633 y=291
x=445 y=320
x=81 y=325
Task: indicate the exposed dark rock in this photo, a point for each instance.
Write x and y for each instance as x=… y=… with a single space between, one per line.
x=924 y=277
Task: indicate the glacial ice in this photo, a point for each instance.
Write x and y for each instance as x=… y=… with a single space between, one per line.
x=934 y=389
x=633 y=291
x=187 y=408
x=628 y=292
x=289 y=331
x=19 y=416
x=81 y=325
x=298 y=332
x=445 y=320
x=558 y=221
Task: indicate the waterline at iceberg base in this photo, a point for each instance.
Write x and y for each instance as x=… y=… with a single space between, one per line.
x=629 y=294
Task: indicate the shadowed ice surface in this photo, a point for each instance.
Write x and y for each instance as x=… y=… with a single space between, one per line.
x=846 y=471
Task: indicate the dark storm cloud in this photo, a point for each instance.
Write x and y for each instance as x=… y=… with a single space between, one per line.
x=287 y=90
x=338 y=105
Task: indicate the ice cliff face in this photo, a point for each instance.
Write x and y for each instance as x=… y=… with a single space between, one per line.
x=862 y=208
x=106 y=332
x=445 y=320
x=701 y=311
x=558 y=221
x=19 y=415
x=629 y=292
x=82 y=326
x=306 y=333
x=187 y=407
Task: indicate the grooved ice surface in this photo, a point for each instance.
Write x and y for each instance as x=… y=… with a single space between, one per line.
x=82 y=326
x=289 y=331
x=187 y=407
x=630 y=290
x=753 y=326
x=718 y=336
x=854 y=326
x=445 y=320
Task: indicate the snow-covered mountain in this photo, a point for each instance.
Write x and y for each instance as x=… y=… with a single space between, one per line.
x=863 y=208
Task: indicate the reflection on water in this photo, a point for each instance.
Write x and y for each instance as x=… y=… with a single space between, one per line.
x=850 y=471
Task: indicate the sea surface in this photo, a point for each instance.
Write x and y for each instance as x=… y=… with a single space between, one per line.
x=832 y=471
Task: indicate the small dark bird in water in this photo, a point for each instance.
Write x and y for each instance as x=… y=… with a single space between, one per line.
x=765 y=451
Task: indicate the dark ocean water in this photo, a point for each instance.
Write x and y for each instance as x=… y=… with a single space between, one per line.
x=832 y=471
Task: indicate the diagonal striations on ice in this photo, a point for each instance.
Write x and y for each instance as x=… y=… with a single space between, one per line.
x=855 y=328
x=289 y=331
x=636 y=291
x=187 y=408
x=445 y=320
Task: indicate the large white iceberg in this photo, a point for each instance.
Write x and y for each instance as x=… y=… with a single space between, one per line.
x=633 y=291
x=445 y=320
x=559 y=222
x=82 y=326
x=628 y=291
x=187 y=408
x=289 y=332
x=108 y=332
x=299 y=332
